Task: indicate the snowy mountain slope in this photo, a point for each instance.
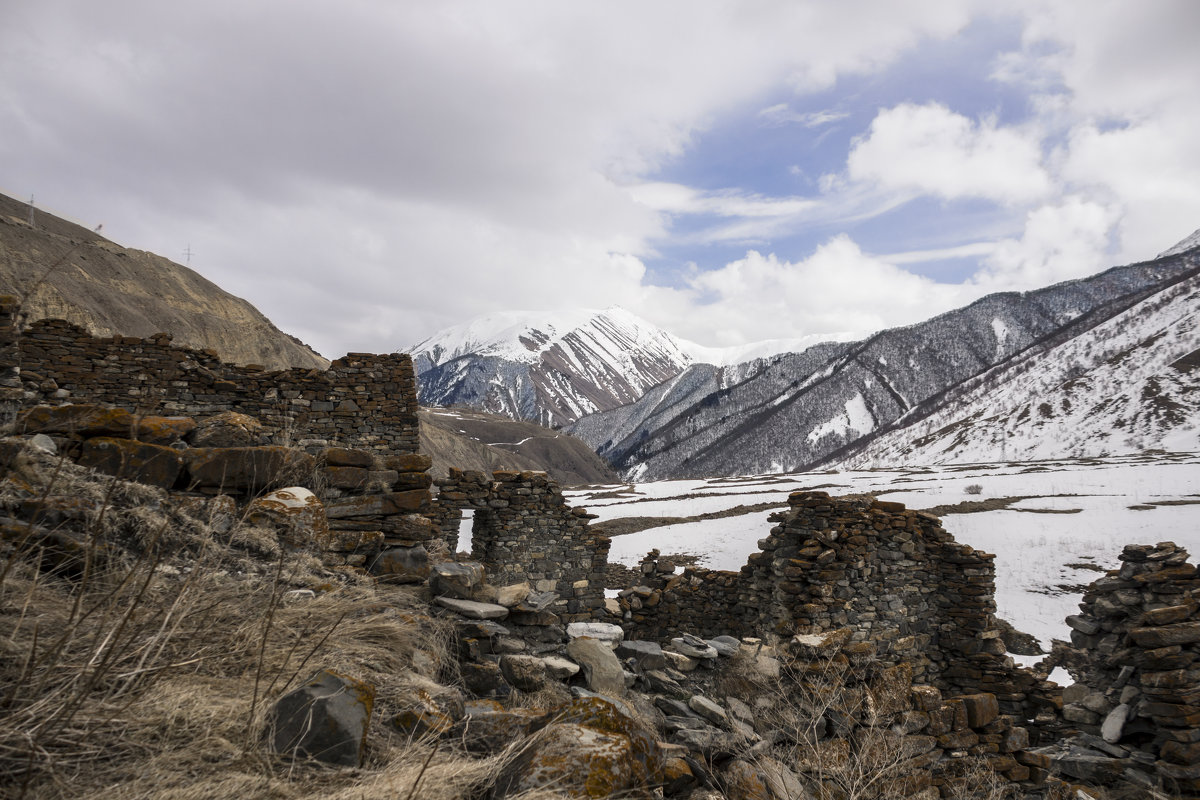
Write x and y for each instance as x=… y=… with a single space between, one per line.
x=799 y=410
x=551 y=368
x=1189 y=243
x=1131 y=383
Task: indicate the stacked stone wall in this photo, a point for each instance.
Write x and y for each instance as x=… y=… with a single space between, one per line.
x=363 y=400
x=890 y=575
x=525 y=531
x=10 y=358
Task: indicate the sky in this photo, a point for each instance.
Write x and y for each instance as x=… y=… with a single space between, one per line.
x=368 y=172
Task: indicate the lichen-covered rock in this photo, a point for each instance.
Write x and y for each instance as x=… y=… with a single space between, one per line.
x=296 y=514
x=86 y=420
x=589 y=748
x=325 y=719
x=527 y=673
x=152 y=464
x=229 y=429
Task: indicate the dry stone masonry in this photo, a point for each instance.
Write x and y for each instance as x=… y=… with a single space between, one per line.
x=363 y=400
x=523 y=530
x=892 y=576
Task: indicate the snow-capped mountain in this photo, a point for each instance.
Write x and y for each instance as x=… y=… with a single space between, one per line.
x=1127 y=385
x=799 y=410
x=549 y=368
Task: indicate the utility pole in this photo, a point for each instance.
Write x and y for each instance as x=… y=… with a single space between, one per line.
x=31 y=211
x=187 y=254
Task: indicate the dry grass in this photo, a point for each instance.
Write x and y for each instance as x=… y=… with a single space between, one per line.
x=146 y=670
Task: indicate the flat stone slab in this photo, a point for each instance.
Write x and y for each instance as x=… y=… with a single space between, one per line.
x=701 y=651
x=471 y=609
x=707 y=709
x=725 y=645
x=604 y=631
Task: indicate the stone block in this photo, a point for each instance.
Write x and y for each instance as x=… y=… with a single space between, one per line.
x=327 y=719
x=248 y=468
x=151 y=464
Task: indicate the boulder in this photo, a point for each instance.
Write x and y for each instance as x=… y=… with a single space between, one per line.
x=296 y=515
x=489 y=731
x=325 y=719
x=229 y=429
x=647 y=655
x=346 y=457
x=428 y=709
x=402 y=564
x=153 y=464
x=601 y=669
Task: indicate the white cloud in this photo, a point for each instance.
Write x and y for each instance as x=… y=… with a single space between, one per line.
x=931 y=149
x=782 y=114
x=837 y=290
x=1060 y=242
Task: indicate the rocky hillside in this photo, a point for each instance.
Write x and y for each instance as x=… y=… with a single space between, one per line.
x=1129 y=384
x=65 y=271
x=799 y=410
x=550 y=368
x=476 y=440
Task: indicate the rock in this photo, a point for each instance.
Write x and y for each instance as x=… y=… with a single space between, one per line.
x=572 y=759
x=603 y=631
x=512 y=596
x=491 y=731
x=346 y=457
x=471 y=609
x=679 y=661
x=456 y=578
x=744 y=782
x=409 y=528
x=708 y=709
x=559 y=668
x=295 y=514
x=375 y=505
x=981 y=709
x=351 y=479
x=428 y=709
x=43 y=443
x=1114 y=724
x=691 y=650
x=326 y=719
x=647 y=655
x=1165 y=635
x=725 y=645
x=247 y=468
x=151 y=464
x=484 y=679
x=527 y=673
x=402 y=564
x=229 y=429
x=601 y=669
x=85 y=421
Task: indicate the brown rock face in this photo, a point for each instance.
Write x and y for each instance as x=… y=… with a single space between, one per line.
x=229 y=429
x=87 y=420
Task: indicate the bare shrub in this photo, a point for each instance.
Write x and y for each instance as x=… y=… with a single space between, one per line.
x=974 y=488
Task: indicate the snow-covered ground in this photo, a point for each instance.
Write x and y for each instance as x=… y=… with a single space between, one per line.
x=1074 y=513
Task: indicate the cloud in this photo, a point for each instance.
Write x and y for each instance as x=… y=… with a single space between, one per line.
x=782 y=114
x=931 y=149
x=1060 y=242
x=393 y=162
x=837 y=290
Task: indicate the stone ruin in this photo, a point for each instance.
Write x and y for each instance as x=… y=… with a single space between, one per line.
x=854 y=581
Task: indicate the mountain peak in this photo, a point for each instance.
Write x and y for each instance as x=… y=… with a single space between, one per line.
x=1189 y=243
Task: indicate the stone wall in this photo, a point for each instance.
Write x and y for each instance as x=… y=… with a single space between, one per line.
x=1136 y=656
x=892 y=576
x=525 y=531
x=10 y=370
x=363 y=400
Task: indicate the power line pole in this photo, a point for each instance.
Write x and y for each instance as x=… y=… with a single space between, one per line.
x=187 y=254
x=31 y=211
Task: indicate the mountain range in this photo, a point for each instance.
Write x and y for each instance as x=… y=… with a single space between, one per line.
x=958 y=387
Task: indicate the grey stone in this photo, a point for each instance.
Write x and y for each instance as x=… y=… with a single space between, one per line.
x=471 y=609
x=402 y=564
x=647 y=655
x=1114 y=724
x=702 y=651
x=601 y=669
x=40 y=441
x=559 y=668
x=708 y=709
x=725 y=645
x=325 y=719
x=456 y=578
x=602 y=631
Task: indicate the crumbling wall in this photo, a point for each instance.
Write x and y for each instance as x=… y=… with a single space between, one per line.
x=363 y=400
x=890 y=575
x=525 y=531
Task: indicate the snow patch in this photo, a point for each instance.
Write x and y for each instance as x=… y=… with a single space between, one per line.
x=855 y=417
